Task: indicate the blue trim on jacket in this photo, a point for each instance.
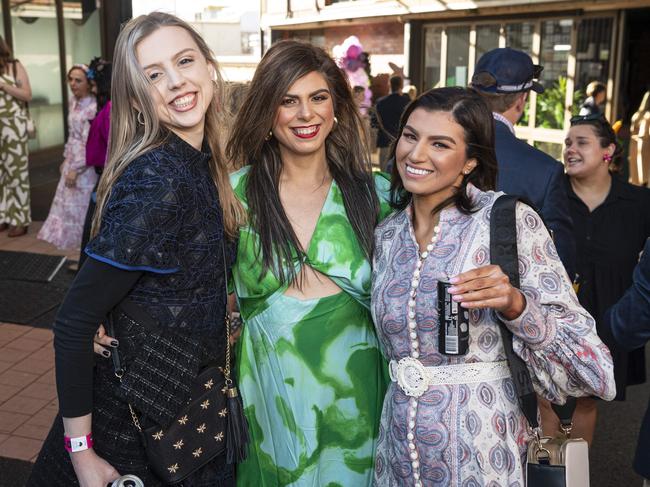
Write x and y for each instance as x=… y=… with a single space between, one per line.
x=129 y=267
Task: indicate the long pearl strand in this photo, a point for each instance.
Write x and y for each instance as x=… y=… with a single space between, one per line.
x=415 y=346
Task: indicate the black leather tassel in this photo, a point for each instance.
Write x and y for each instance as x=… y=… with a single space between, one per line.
x=238 y=436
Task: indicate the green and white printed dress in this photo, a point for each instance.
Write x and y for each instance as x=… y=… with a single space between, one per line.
x=14 y=171
x=311 y=374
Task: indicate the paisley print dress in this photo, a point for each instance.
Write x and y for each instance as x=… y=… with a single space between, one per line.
x=474 y=434
x=64 y=224
x=311 y=374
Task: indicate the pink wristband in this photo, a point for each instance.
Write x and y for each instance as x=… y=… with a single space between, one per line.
x=80 y=443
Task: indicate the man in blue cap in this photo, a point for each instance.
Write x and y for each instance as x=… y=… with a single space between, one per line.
x=503 y=77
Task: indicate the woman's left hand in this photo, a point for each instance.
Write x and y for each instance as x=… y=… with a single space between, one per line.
x=71 y=178
x=488 y=287
x=103 y=343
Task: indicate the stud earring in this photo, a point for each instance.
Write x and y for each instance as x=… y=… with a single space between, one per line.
x=607 y=158
x=268 y=136
x=336 y=121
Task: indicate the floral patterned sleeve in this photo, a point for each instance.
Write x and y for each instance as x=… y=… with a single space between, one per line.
x=555 y=335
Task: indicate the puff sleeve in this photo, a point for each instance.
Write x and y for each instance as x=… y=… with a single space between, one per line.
x=142 y=219
x=555 y=335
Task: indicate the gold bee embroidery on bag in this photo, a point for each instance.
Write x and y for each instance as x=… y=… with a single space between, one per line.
x=223 y=412
x=219 y=436
x=183 y=420
x=158 y=436
x=205 y=404
x=197 y=453
x=173 y=468
x=209 y=384
x=179 y=444
x=201 y=428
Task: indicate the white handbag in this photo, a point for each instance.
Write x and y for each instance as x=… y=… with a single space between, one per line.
x=558 y=462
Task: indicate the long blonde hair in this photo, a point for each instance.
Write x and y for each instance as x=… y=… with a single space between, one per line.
x=129 y=138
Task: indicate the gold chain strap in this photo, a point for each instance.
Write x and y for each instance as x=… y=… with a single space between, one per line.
x=226 y=370
x=134 y=417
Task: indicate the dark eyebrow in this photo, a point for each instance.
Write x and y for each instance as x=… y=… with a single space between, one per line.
x=175 y=56
x=322 y=90
x=432 y=137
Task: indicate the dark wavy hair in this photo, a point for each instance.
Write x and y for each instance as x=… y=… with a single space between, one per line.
x=605 y=134
x=99 y=71
x=471 y=112
x=6 y=57
x=348 y=157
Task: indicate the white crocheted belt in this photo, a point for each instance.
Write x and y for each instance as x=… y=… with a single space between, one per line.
x=414 y=378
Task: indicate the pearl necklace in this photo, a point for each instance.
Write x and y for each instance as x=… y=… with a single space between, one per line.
x=415 y=346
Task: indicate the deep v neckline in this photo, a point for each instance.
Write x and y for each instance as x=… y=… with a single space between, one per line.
x=307 y=249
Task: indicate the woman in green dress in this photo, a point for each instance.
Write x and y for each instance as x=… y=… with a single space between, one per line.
x=310 y=371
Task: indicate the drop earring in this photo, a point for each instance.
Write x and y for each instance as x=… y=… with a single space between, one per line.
x=268 y=136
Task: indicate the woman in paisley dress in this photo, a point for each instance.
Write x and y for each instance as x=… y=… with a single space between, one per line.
x=64 y=223
x=467 y=429
x=310 y=371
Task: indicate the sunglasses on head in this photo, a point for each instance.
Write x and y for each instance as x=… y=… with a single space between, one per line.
x=587 y=118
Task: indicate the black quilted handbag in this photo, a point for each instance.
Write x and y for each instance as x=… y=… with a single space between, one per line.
x=197 y=435
x=210 y=424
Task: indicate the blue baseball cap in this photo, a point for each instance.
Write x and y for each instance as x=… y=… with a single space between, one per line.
x=509 y=70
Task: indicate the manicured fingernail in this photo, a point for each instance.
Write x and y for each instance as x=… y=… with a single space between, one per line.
x=457 y=298
x=452 y=289
x=454 y=280
x=114 y=343
x=106 y=353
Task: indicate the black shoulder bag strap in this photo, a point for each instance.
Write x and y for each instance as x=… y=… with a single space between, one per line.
x=503 y=252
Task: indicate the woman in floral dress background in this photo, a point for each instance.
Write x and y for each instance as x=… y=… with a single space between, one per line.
x=64 y=224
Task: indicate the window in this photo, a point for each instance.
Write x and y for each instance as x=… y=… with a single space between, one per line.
x=36 y=44
x=457 y=56
x=551 y=41
x=554 y=55
x=432 y=52
x=487 y=38
x=593 y=51
x=520 y=36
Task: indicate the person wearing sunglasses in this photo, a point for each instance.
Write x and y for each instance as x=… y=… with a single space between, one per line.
x=611 y=225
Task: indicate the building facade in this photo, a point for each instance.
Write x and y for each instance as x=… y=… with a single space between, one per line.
x=49 y=37
x=577 y=42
